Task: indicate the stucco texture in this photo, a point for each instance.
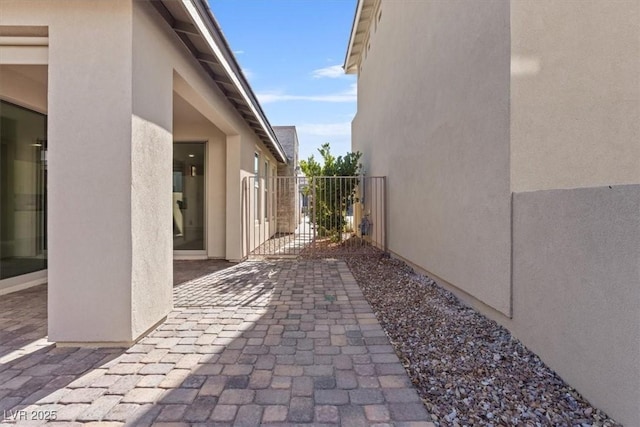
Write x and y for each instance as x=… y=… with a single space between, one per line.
x=435 y=120
x=576 y=289
x=575 y=93
x=113 y=70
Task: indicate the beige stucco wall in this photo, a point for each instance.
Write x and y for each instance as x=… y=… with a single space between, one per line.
x=435 y=120
x=151 y=182
x=574 y=121
x=575 y=93
x=110 y=162
x=89 y=295
x=576 y=290
x=259 y=229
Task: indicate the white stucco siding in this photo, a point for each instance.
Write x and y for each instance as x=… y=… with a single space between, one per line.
x=433 y=115
x=575 y=93
x=192 y=84
x=152 y=166
x=113 y=68
x=89 y=165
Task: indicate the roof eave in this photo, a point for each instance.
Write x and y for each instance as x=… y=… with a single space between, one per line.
x=203 y=25
x=354 y=28
x=253 y=99
x=361 y=24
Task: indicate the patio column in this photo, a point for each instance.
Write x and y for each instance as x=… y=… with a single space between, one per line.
x=235 y=213
x=109 y=226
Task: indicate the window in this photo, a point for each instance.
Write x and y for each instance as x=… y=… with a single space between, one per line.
x=273 y=192
x=189 y=165
x=23 y=191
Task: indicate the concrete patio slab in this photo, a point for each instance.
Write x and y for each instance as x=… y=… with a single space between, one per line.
x=270 y=342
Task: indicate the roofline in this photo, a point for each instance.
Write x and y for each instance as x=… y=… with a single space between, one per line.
x=205 y=22
x=352 y=36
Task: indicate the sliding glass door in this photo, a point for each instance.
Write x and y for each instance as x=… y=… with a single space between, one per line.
x=23 y=195
x=188 y=196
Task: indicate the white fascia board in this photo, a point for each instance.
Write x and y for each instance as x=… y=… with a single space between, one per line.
x=199 y=23
x=352 y=37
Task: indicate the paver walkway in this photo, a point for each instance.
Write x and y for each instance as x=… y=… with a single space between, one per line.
x=276 y=343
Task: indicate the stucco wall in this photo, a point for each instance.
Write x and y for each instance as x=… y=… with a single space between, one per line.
x=151 y=185
x=192 y=84
x=89 y=167
x=576 y=289
x=110 y=144
x=575 y=93
x=435 y=120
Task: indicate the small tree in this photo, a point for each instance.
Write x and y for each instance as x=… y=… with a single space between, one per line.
x=332 y=196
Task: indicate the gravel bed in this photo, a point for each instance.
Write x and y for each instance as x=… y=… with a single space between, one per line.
x=468 y=369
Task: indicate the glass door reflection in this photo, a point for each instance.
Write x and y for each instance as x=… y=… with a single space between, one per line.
x=188 y=196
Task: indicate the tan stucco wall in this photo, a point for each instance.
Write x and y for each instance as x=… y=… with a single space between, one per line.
x=89 y=165
x=446 y=145
x=576 y=290
x=259 y=230
x=241 y=142
x=151 y=182
x=435 y=120
x=575 y=93
x=113 y=69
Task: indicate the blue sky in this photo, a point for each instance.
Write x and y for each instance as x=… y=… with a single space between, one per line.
x=291 y=52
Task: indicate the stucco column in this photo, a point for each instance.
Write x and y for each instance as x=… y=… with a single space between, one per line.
x=235 y=213
x=106 y=231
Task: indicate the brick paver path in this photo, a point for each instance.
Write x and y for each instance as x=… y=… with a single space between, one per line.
x=276 y=343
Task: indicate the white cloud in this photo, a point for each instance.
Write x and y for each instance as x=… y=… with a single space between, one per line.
x=325 y=129
x=331 y=72
x=248 y=73
x=348 y=95
x=238 y=52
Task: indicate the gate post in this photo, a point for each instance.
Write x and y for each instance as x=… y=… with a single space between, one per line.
x=384 y=212
x=313 y=218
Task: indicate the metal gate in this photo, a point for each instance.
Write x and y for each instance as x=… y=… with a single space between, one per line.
x=326 y=215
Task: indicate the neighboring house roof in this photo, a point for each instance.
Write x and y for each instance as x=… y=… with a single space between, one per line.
x=199 y=31
x=288 y=138
x=359 y=32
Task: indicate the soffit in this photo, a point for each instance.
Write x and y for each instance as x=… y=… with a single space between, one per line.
x=359 y=34
x=202 y=36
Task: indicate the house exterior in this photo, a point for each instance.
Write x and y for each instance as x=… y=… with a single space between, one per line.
x=509 y=131
x=127 y=131
x=288 y=189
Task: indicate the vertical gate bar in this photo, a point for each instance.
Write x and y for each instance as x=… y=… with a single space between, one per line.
x=246 y=216
x=289 y=247
x=300 y=227
x=380 y=219
x=314 y=216
x=384 y=213
x=342 y=191
x=256 y=209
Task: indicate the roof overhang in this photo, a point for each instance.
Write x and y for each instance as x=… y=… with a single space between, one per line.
x=197 y=28
x=359 y=31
